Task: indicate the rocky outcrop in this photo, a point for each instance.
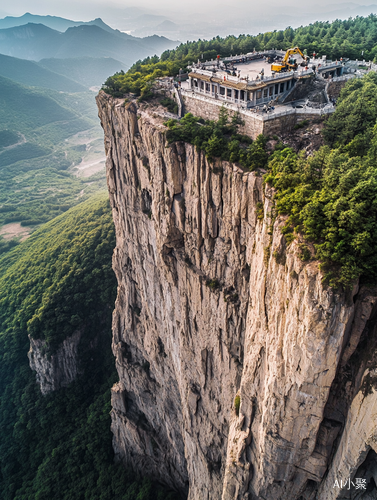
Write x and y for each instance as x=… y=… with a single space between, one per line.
x=58 y=369
x=333 y=89
x=241 y=375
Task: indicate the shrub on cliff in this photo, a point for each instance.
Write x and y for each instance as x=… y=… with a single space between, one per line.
x=138 y=82
x=255 y=156
x=237 y=404
x=170 y=105
x=331 y=197
x=219 y=139
x=356 y=114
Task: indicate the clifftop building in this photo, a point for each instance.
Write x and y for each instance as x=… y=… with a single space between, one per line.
x=248 y=81
x=270 y=102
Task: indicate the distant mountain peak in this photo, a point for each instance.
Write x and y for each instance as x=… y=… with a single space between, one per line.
x=167 y=25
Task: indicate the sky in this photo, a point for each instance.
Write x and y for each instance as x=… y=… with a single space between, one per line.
x=238 y=15
x=87 y=9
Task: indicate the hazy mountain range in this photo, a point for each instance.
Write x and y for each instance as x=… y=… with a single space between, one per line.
x=36 y=41
x=191 y=24
x=33 y=74
x=50 y=133
x=187 y=23
x=54 y=22
x=65 y=75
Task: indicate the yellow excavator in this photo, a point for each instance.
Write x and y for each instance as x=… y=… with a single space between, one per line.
x=288 y=64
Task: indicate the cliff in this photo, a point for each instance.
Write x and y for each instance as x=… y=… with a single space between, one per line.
x=241 y=375
x=58 y=369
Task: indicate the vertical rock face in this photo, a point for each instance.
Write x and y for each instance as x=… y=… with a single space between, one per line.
x=212 y=305
x=56 y=370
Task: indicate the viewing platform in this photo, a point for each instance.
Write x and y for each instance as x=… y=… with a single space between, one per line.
x=241 y=90
x=248 y=80
x=273 y=90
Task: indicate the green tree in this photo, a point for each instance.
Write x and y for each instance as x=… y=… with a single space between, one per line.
x=214 y=147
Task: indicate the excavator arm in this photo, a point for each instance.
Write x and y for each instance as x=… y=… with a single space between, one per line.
x=291 y=52
x=284 y=65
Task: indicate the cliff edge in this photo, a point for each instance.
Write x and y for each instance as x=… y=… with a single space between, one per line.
x=241 y=375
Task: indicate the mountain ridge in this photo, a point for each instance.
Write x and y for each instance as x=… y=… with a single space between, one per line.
x=37 y=41
x=54 y=22
x=88 y=71
x=31 y=73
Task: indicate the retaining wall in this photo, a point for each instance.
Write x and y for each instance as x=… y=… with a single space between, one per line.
x=254 y=124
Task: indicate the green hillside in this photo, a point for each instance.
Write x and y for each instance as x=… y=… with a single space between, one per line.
x=88 y=71
x=31 y=73
x=8 y=138
x=36 y=155
x=59 y=446
x=27 y=109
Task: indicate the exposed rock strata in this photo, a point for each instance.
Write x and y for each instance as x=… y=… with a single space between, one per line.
x=54 y=370
x=212 y=304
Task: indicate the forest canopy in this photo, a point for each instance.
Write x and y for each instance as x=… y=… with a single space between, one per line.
x=58 y=446
x=354 y=38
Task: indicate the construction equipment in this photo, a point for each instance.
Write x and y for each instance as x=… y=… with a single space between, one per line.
x=288 y=64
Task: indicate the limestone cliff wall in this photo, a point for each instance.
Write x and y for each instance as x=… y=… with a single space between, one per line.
x=58 y=369
x=213 y=304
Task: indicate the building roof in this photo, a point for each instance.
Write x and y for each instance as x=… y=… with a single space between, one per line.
x=215 y=79
x=242 y=85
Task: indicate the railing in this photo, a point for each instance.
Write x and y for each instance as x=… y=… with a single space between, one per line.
x=219 y=74
x=257 y=81
x=258 y=113
x=299 y=111
x=231 y=78
x=326 y=68
x=252 y=83
x=322 y=63
x=345 y=77
x=280 y=76
x=204 y=72
x=219 y=101
x=249 y=56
